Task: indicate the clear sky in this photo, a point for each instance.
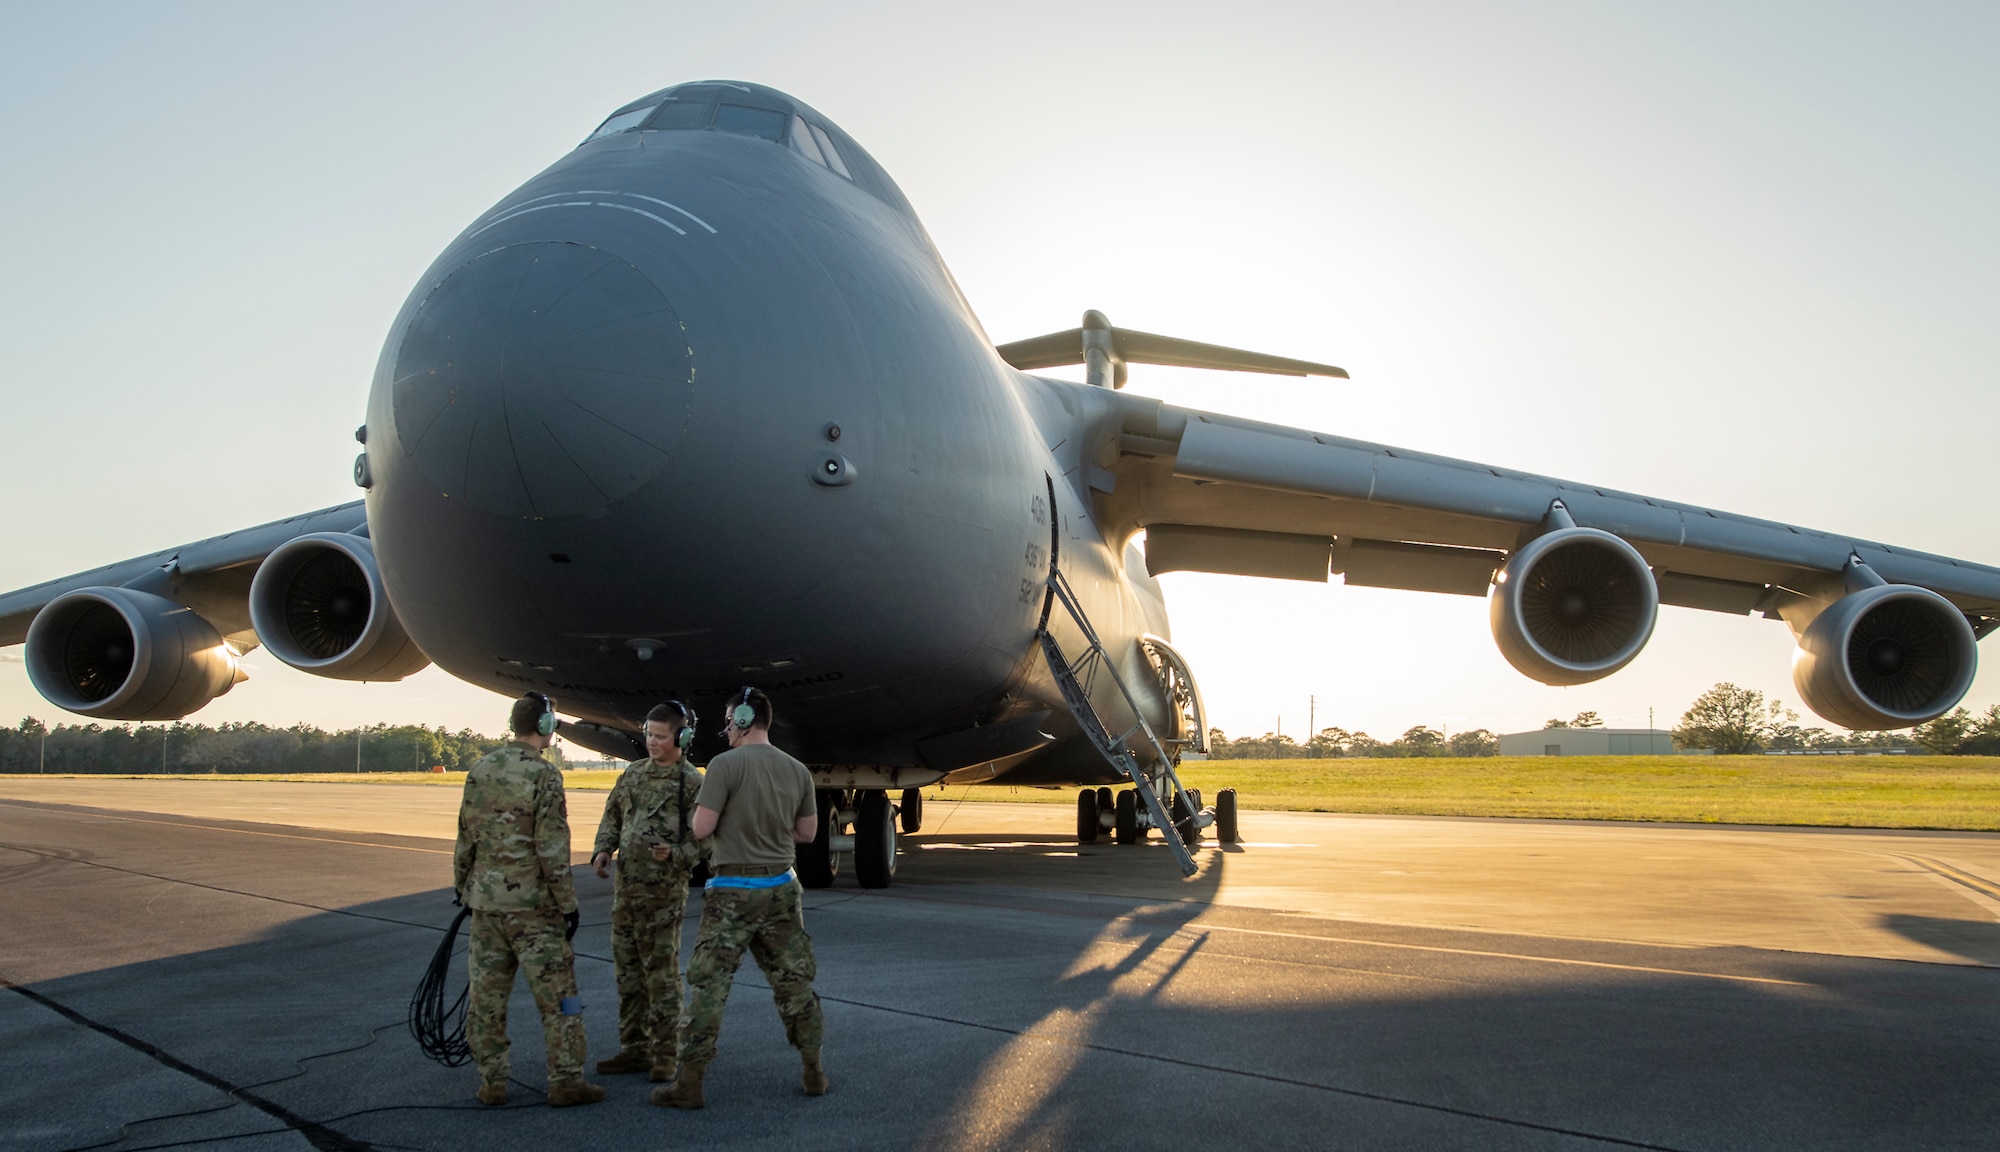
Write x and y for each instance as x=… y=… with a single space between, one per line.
x=1732 y=254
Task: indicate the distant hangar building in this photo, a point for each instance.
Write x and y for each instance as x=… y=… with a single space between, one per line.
x=1588 y=742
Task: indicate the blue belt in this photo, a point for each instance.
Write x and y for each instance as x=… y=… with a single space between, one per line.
x=751 y=882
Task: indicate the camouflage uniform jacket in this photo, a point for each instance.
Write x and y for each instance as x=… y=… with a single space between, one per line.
x=645 y=808
x=513 y=835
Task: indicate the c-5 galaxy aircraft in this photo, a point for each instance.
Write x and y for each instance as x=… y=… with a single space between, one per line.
x=699 y=406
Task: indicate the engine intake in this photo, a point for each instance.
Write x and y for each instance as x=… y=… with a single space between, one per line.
x=117 y=654
x=1886 y=657
x=1573 y=605
x=318 y=604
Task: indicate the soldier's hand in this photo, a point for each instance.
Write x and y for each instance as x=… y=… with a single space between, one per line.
x=570 y=922
x=601 y=864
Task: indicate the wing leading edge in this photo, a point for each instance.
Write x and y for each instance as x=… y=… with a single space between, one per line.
x=211 y=576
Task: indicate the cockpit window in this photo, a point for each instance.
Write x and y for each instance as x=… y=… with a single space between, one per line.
x=802 y=142
x=832 y=154
x=621 y=122
x=759 y=122
x=679 y=114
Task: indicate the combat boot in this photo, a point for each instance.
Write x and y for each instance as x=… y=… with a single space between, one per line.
x=684 y=1092
x=815 y=1076
x=493 y=1095
x=573 y=1091
x=627 y=1060
x=665 y=1064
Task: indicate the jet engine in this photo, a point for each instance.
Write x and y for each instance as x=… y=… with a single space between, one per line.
x=118 y=654
x=1885 y=657
x=1573 y=605
x=318 y=604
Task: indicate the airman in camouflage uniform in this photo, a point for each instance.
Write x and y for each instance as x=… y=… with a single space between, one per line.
x=758 y=805
x=511 y=867
x=647 y=826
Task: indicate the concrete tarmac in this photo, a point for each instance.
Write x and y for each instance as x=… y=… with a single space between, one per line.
x=229 y=963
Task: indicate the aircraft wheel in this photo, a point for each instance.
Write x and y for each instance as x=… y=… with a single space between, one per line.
x=913 y=811
x=1225 y=817
x=1086 y=816
x=1187 y=805
x=1126 y=825
x=816 y=862
x=874 y=840
x=1107 y=810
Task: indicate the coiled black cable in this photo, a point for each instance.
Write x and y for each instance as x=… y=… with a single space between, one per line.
x=440 y=1031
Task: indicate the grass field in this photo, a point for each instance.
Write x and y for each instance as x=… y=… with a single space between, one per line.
x=1955 y=792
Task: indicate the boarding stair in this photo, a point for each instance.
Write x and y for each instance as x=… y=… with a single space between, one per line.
x=1076 y=679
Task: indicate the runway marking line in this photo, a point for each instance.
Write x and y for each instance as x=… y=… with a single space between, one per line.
x=1206 y=927
x=1955 y=875
x=103 y=815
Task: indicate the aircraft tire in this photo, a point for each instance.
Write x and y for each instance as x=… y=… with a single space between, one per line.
x=1126 y=826
x=1086 y=816
x=913 y=811
x=1107 y=809
x=874 y=840
x=1225 y=817
x=1187 y=806
x=816 y=861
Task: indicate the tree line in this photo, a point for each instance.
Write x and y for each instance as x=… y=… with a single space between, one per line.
x=1331 y=743
x=1732 y=720
x=1726 y=719
x=238 y=748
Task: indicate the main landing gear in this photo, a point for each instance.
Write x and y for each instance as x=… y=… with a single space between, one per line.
x=860 y=824
x=1099 y=811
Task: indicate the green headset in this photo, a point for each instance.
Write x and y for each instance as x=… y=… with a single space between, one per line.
x=683 y=739
x=545 y=724
x=743 y=715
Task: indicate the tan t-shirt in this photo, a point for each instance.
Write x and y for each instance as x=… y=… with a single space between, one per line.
x=759 y=793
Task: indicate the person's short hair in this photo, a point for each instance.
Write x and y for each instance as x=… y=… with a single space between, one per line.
x=672 y=712
x=526 y=715
x=760 y=706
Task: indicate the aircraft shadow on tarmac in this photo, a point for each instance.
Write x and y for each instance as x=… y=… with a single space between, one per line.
x=967 y=1014
x=1975 y=940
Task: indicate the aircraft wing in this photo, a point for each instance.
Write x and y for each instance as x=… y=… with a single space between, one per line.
x=211 y=576
x=1221 y=494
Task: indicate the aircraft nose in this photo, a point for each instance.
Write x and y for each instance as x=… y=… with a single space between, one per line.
x=541 y=380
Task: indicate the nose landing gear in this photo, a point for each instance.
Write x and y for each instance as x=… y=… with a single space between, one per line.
x=860 y=824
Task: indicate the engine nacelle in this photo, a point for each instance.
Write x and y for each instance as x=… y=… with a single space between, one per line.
x=1886 y=657
x=117 y=654
x=1573 y=605
x=318 y=604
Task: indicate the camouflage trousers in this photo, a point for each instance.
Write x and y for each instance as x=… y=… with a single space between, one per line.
x=771 y=923
x=646 y=955
x=501 y=944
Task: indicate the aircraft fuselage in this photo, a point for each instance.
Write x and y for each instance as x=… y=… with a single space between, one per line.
x=688 y=411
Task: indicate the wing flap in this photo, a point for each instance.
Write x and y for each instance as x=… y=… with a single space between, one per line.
x=1236 y=552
